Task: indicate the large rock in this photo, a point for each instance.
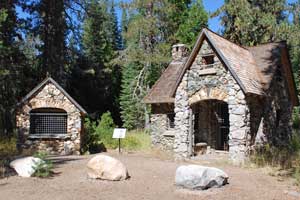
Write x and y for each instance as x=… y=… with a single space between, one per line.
x=25 y=166
x=200 y=177
x=106 y=168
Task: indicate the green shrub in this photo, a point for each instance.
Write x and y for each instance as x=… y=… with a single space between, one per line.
x=43 y=169
x=90 y=138
x=105 y=131
x=98 y=134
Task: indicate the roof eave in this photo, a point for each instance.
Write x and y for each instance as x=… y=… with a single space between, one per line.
x=46 y=80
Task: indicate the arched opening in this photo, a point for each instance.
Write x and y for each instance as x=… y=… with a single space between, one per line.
x=48 y=122
x=211 y=124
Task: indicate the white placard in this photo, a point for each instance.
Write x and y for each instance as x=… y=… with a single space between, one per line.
x=119 y=133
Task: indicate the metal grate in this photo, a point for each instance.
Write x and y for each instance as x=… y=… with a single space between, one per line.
x=48 y=123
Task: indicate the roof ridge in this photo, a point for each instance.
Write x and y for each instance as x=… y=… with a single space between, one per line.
x=226 y=39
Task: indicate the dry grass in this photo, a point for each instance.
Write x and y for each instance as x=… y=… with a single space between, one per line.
x=8 y=150
x=280 y=162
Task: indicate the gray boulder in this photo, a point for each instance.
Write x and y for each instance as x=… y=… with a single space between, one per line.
x=25 y=167
x=106 y=168
x=199 y=177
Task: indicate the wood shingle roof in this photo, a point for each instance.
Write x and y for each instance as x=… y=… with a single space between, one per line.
x=252 y=67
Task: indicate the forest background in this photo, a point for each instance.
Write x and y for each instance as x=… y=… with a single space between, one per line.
x=107 y=54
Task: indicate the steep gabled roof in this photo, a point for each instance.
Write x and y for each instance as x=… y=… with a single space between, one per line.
x=161 y=91
x=42 y=84
x=252 y=68
x=237 y=59
x=268 y=57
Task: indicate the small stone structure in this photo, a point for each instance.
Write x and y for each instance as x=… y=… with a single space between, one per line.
x=57 y=129
x=223 y=96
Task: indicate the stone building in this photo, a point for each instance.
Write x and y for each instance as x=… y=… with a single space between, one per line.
x=223 y=97
x=49 y=119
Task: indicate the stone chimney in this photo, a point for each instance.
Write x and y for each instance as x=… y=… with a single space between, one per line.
x=179 y=51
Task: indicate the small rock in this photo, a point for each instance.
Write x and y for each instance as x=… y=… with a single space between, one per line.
x=292 y=193
x=106 y=168
x=200 y=177
x=25 y=166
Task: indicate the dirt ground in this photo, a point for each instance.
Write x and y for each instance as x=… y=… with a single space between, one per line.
x=151 y=178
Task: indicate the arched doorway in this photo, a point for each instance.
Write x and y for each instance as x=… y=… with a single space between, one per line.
x=211 y=124
x=48 y=122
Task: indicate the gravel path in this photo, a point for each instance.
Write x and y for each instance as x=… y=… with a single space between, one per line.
x=151 y=178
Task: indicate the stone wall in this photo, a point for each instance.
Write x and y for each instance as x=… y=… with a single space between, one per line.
x=161 y=135
x=253 y=120
x=50 y=97
x=207 y=82
x=276 y=121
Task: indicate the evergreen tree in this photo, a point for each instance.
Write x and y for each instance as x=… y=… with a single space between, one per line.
x=95 y=80
x=196 y=19
x=116 y=32
x=132 y=108
x=251 y=22
x=11 y=60
x=293 y=39
x=124 y=26
x=52 y=31
x=149 y=35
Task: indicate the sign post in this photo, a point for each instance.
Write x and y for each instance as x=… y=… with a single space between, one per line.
x=119 y=133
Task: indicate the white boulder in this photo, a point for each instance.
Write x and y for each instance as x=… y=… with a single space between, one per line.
x=200 y=177
x=25 y=166
x=106 y=168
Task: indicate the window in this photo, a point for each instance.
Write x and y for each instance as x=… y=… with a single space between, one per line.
x=171 y=120
x=208 y=59
x=48 y=122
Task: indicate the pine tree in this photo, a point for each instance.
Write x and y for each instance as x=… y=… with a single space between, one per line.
x=196 y=19
x=149 y=35
x=124 y=26
x=116 y=32
x=52 y=31
x=132 y=108
x=95 y=79
x=293 y=39
x=251 y=22
x=11 y=60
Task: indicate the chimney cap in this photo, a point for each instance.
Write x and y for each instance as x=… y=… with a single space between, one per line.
x=179 y=51
x=179 y=45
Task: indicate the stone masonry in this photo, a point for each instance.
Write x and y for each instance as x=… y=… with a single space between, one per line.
x=161 y=135
x=224 y=97
x=215 y=82
x=50 y=96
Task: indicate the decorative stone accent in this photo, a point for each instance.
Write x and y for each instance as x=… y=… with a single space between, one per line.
x=195 y=87
x=254 y=120
x=49 y=96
